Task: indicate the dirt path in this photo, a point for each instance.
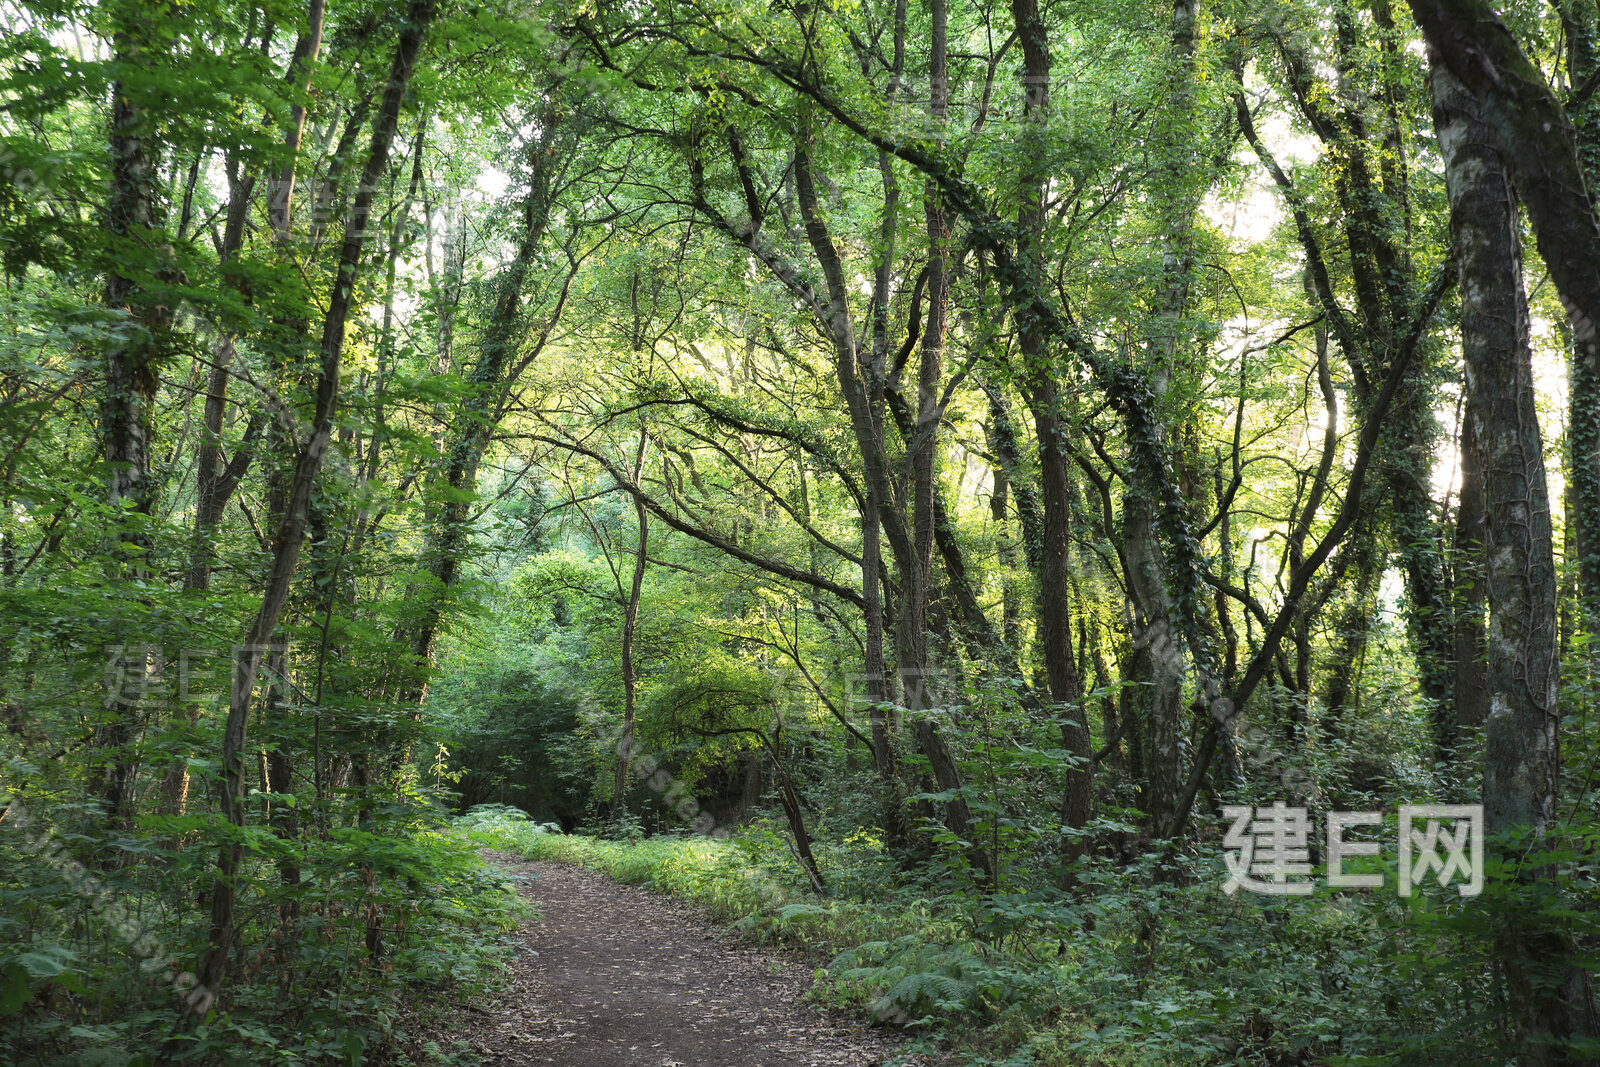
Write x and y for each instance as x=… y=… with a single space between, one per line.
x=617 y=976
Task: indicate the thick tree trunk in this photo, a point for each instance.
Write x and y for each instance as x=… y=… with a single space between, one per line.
x=1471 y=682
x=1157 y=665
x=1159 y=656
x=1051 y=427
x=1521 y=764
x=1524 y=120
x=1055 y=616
x=131 y=367
x=1521 y=768
x=1527 y=124
x=132 y=361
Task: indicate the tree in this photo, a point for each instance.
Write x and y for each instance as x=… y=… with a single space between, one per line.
x=289 y=537
x=1521 y=758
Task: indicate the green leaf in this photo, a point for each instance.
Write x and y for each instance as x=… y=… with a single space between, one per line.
x=40 y=965
x=14 y=989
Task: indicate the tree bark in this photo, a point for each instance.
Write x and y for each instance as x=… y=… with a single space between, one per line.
x=1521 y=761
x=879 y=697
x=913 y=543
x=1051 y=427
x=921 y=458
x=1543 y=152
x=1520 y=583
x=630 y=625
x=1472 y=682
x=1159 y=653
x=1005 y=554
x=1580 y=22
x=131 y=366
x=1342 y=692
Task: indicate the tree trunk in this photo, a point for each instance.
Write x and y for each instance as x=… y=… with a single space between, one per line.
x=884 y=725
x=1341 y=696
x=630 y=624
x=790 y=799
x=1159 y=651
x=1472 y=682
x=1429 y=611
x=1157 y=665
x=912 y=545
x=1005 y=555
x=1521 y=764
x=922 y=454
x=1050 y=424
x=215 y=481
x=1503 y=427
x=1371 y=195
x=1540 y=147
x=470 y=433
x=131 y=367
x=284 y=814
x=1580 y=22
x=1583 y=476
x=290 y=535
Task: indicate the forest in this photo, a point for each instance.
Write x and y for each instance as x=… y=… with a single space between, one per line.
x=1078 y=520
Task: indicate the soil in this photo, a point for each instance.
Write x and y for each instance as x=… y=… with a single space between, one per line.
x=613 y=975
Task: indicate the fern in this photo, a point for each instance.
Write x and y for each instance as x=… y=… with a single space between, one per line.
x=923 y=994
x=914 y=982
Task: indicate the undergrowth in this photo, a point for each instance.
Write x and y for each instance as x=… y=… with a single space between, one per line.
x=384 y=930
x=1139 y=966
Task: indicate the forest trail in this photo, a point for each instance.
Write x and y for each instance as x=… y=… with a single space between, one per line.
x=614 y=975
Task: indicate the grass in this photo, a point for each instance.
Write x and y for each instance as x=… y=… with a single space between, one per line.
x=1136 y=971
x=731 y=880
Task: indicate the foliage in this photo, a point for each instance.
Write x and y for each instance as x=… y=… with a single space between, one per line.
x=889 y=474
x=73 y=952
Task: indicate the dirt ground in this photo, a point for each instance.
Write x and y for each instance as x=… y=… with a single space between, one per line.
x=618 y=976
